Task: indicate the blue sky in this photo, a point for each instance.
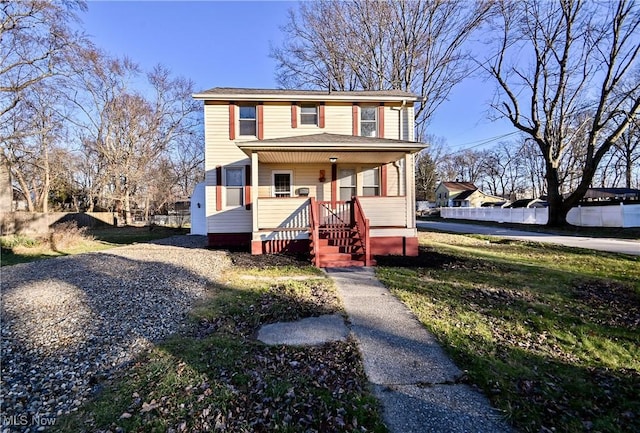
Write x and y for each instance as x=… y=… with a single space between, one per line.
x=218 y=43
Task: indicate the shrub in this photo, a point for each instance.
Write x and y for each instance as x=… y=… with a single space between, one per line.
x=66 y=235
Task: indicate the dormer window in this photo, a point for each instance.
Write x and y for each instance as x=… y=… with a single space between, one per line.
x=369 y=121
x=248 y=120
x=309 y=114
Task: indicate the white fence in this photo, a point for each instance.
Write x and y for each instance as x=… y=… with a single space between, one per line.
x=588 y=216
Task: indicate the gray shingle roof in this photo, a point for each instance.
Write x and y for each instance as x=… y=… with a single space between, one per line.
x=294 y=92
x=460 y=186
x=333 y=138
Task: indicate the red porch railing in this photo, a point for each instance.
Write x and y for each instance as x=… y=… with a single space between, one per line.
x=362 y=226
x=314 y=224
x=343 y=230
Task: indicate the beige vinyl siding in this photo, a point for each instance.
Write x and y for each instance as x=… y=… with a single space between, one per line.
x=385 y=211
x=277 y=122
x=392 y=122
x=338 y=119
x=283 y=213
x=408 y=124
x=219 y=150
x=304 y=176
x=392 y=180
x=235 y=220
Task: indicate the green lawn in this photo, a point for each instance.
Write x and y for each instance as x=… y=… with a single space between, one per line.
x=551 y=334
x=218 y=377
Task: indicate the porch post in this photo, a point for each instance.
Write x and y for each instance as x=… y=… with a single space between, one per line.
x=256 y=244
x=410 y=190
x=254 y=189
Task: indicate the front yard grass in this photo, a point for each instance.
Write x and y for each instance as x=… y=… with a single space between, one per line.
x=217 y=377
x=549 y=333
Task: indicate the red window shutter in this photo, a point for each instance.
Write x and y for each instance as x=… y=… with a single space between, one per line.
x=381 y=121
x=321 y=115
x=294 y=115
x=232 y=121
x=383 y=180
x=219 y=188
x=247 y=187
x=260 y=114
x=354 y=119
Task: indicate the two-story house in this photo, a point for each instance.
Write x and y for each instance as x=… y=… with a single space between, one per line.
x=331 y=173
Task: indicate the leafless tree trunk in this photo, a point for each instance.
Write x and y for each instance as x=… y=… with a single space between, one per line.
x=579 y=55
x=628 y=151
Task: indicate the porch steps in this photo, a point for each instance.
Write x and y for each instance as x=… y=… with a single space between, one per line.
x=339 y=247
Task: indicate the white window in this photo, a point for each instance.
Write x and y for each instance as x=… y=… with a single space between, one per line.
x=281 y=181
x=234 y=181
x=309 y=114
x=371 y=182
x=369 y=121
x=347 y=184
x=248 y=120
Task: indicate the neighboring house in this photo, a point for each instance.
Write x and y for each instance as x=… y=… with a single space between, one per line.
x=331 y=173
x=447 y=191
x=463 y=194
x=611 y=194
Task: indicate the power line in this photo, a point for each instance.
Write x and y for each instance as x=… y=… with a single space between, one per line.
x=482 y=142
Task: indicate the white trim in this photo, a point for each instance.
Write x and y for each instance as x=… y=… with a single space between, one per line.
x=273 y=181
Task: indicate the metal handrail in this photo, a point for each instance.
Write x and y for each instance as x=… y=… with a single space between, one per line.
x=334 y=213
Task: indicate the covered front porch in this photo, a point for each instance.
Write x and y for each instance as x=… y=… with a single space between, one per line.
x=343 y=203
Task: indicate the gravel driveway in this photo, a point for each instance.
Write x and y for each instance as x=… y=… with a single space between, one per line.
x=69 y=322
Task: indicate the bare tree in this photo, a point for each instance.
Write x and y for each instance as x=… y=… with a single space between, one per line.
x=428 y=167
x=33 y=131
x=126 y=133
x=415 y=46
x=35 y=38
x=569 y=95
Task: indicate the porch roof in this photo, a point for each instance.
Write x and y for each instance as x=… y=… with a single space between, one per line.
x=318 y=148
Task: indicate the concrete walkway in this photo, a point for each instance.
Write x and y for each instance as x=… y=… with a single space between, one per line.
x=411 y=376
